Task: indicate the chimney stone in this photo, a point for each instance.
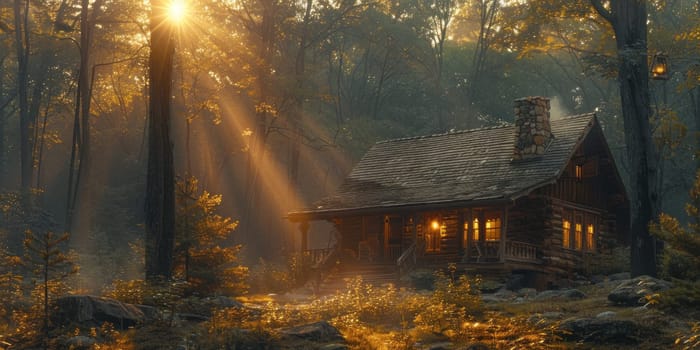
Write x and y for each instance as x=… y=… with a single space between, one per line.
x=533 y=131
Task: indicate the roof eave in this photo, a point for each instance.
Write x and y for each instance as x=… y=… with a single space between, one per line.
x=326 y=214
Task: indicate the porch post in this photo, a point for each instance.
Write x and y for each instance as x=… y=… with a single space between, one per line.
x=304 y=229
x=504 y=227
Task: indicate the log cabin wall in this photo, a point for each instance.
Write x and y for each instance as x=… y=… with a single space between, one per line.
x=350 y=229
x=526 y=220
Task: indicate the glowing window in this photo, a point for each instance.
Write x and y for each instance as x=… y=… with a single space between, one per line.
x=578 y=172
x=578 y=233
x=590 y=237
x=493 y=227
x=475 y=227
x=566 y=233
x=465 y=233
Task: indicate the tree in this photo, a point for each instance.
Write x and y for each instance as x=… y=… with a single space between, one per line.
x=200 y=259
x=45 y=258
x=160 y=178
x=628 y=19
x=21 y=17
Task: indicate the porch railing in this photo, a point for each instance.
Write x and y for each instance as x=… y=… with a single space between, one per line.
x=320 y=261
x=312 y=257
x=407 y=260
x=520 y=251
x=490 y=251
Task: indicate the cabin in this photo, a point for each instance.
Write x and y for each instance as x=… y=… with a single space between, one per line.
x=540 y=196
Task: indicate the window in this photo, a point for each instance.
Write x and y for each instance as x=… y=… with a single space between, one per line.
x=578 y=233
x=578 y=172
x=590 y=237
x=475 y=227
x=492 y=230
x=465 y=234
x=566 y=233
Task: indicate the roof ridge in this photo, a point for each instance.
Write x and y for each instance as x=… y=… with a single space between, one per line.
x=589 y=114
x=446 y=133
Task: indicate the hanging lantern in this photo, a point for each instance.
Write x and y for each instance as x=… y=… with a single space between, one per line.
x=659 y=67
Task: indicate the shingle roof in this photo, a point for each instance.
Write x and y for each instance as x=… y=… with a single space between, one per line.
x=465 y=166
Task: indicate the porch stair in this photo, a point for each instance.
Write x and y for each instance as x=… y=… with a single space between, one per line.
x=377 y=274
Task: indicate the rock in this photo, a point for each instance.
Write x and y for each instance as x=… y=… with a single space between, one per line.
x=564 y=294
x=601 y=330
x=606 y=314
x=595 y=279
x=505 y=294
x=490 y=286
x=633 y=292
x=477 y=346
x=441 y=346
x=620 y=276
x=150 y=312
x=80 y=343
x=527 y=292
x=334 y=346
x=92 y=311
x=491 y=298
x=317 y=332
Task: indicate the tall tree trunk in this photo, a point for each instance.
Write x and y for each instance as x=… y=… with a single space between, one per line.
x=629 y=21
x=79 y=177
x=21 y=19
x=297 y=114
x=160 y=186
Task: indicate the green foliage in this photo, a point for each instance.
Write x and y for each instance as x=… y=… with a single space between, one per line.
x=690 y=340
x=683 y=297
x=10 y=288
x=129 y=291
x=208 y=267
x=682 y=254
x=269 y=277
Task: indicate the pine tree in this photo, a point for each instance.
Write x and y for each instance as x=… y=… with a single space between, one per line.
x=50 y=264
x=201 y=260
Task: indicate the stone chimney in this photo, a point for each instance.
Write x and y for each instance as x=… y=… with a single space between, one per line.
x=532 y=129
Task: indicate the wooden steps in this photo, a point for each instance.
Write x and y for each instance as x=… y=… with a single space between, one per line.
x=376 y=274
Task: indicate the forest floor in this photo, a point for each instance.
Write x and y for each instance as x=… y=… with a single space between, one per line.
x=505 y=320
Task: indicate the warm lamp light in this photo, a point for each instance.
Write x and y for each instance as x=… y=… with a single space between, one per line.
x=435 y=225
x=659 y=67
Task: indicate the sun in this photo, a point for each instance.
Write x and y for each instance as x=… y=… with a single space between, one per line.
x=177 y=11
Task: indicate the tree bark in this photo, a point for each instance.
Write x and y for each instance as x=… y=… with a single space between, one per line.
x=160 y=187
x=629 y=21
x=21 y=19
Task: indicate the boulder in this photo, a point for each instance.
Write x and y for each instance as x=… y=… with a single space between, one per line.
x=601 y=330
x=441 y=346
x=633 y=292
x=606 y=314
x=527 y=292
x=80 y=342
x=320 y=331
x=93 y=311
x=563 y=294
